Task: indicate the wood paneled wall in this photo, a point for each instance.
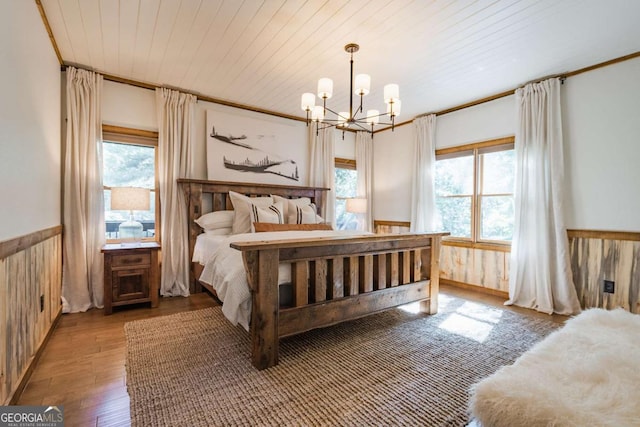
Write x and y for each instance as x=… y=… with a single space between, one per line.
x=597 y=256
x=30 y=292
x=484 y=268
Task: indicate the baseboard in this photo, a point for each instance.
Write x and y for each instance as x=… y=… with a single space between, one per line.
x=15 y=397
x=475 y=288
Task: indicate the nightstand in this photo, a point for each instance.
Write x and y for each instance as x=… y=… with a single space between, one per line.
x=131 y=274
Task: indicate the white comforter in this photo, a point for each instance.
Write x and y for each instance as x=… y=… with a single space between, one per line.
x=224 y=271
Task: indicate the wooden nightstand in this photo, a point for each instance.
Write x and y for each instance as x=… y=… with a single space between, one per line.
x=131 y=274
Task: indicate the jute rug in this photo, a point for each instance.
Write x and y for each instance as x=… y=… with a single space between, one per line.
x=391 y=368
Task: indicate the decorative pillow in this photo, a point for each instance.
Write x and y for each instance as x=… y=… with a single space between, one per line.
x=219 y=231
x=304 y=215
x=242 y=208
x=271 y=214
x=290 y=204
x=261 y=226
x=215 y=220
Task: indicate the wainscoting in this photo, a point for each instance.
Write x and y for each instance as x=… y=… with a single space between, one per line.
x=597 y=256
x=483 y=268
x=30 y=290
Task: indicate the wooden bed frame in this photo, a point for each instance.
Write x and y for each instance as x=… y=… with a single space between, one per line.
x=333 y=279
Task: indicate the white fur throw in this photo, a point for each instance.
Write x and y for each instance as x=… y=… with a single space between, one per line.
x=585 y=374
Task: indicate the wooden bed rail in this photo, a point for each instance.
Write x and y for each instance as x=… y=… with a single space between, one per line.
x=336 y=279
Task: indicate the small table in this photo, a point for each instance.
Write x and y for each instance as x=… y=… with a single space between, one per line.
x=131 y=274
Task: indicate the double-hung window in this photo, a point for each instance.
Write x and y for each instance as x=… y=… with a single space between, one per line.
x=475 y=191
x=130 y=160
x=346 y=181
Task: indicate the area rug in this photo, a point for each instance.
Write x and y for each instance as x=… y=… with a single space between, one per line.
x=391 y=368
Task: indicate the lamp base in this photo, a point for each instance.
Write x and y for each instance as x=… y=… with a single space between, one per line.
x=130 y=230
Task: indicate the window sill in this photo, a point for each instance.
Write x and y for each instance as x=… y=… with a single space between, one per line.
x=498 y=247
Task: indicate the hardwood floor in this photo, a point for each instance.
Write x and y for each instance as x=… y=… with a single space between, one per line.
x=83 y=365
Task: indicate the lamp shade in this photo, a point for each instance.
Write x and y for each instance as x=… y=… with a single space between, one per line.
x=391 y=93
x=357 y=205
x=363 y=84
x=130 y=199
x=308 y=101
x=393 y=109
x=325 y=88
x=373 y=117
x=317 y=113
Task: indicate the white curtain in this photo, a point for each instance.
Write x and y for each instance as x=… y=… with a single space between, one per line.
x=84 y=229
x=364 y=166
x=176 y=115
x=322 y=167
x=540 y=276
x=424 y=215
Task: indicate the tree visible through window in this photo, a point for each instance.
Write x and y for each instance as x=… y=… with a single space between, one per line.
x=346 y=180
x=474 y=190
x=129 y=165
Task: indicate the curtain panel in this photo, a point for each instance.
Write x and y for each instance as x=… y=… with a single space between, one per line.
x=540 y=274
x=322 y=167
x=424 y=214
x=364 y=167
x=83 y=198
x=176 y=117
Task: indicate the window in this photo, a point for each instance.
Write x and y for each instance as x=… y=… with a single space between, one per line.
x=346 y=180
x=474 y=190
x=129 y=161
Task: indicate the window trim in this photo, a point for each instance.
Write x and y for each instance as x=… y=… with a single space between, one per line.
x=476 y=149
x=131 y=136
x=343 y=163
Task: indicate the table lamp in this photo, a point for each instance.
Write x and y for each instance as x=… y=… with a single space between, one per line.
x=130 y=199
x=357 y=206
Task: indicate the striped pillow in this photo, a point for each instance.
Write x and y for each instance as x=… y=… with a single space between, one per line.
x=270 y=214
x=304 y=215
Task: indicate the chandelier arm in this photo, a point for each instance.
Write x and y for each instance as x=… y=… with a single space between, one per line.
x=331 y=111
x=361 y=127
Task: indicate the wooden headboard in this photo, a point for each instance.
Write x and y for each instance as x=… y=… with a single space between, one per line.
x=196 y=195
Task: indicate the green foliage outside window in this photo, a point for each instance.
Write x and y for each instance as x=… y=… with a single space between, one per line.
x=454 y=183
x=346 y=181
x=128 y=165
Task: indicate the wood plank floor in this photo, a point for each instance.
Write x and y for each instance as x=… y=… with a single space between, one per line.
x=83 y=365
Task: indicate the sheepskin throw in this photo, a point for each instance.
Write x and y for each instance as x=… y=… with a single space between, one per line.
x=585 y=374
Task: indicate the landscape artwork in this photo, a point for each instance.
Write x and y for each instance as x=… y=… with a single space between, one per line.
x=245 y=149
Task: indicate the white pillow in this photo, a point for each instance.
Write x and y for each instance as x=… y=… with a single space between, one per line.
x=304 y=215
x=215 y=220
x=242 y=208
x=291 y=204
x=219 y=232
x=271 y=214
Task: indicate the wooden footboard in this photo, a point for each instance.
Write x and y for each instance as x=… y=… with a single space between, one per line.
x=335 y=280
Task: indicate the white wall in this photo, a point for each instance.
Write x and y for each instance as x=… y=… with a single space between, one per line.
x=130 y=106
x=601 y=126
x=29 y=123
x=602 y=148
x=393 y=151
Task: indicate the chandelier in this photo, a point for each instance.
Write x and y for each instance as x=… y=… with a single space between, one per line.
x=354 y=120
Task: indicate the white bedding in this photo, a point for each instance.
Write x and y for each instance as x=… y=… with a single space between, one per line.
x=206 y=245
x=224 y=270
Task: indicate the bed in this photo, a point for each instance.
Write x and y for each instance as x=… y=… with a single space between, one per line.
x=332 y=278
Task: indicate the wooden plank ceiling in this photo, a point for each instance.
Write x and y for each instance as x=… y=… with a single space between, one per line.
x=265 y=54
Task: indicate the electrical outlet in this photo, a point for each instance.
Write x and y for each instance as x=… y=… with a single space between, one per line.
x=609 y=286
x=41 y=303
